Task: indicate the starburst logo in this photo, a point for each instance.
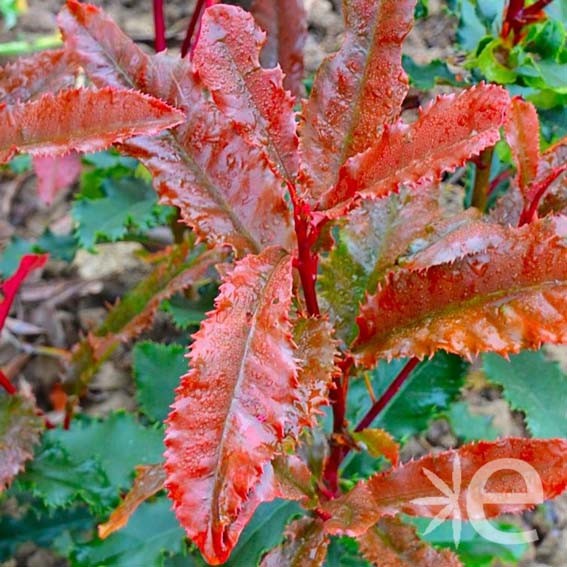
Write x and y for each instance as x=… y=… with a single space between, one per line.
x=476 y=497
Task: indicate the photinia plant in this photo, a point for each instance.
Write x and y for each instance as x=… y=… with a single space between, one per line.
x=345 y=256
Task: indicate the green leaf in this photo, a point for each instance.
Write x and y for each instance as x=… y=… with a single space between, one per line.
x=343 y=283
x=151 y=533
x=547 y=39
x=11 y=255
x=118 y=443
x=109 y=159
x=535 y=385
x=263 y=532
x=553 y=75
x=186 y=312
x=428 y=392
x=473 y=549
x=58 y=246
x=491 y=67
x=41 y=527
x=344 y=552
x=421 y=9
x=471 y=29
x=128 y=204
x=469 y=426
x=59 y=481
x=368 y=244
x=425 y=77
x=20 y=164
x=157 y=370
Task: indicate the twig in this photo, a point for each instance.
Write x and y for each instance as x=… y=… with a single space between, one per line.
x=159 y=26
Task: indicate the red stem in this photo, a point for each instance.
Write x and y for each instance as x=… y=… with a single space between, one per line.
x=194 y=28
x=529 y=214
x=502 y=176
x=159 y=26
x=6 y=384
x=379 y=405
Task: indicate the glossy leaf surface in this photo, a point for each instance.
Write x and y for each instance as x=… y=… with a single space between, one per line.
x=87 y=121
x=448 y=132
x=393 y=543
x=305 y=546
x=286 y=32
x=234 y=406
x=20 y=427
x=227 y=60
x=357 y=91
x=510 y=296
x=223 y=185
x=316 y=351
x=29 y=77
x=522 y=133
x=447 y=478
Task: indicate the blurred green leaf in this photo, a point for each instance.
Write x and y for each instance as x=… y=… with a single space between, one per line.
x=41 y=527
x=534 y=384
x=152 y=533
x=128 y=203
x=157 y=370
x=11 y=255
x=118 y=443
x=473 y=549
x=425 y=77
x=344 y=552
x=186 y=312
x=59 y=481
x=469 y=426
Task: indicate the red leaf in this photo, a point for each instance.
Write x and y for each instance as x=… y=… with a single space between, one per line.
x=556 y=198
x=316 y=351
x=286 y=29
x=457 y=237
x=522 y=133
x=227 y=60
x=87 y=121
x=55 y=174
x=357 y=91
x=305 y=546
x=398 y=490
x=149 y=480
x=234 y=406
x=9 y=288
x=29 y=77
x=20 y=427
x=508 y=297
x=448 y=132
x=392 y=543
x=222 y=184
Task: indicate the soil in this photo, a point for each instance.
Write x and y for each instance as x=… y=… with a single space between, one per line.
x=70 y=300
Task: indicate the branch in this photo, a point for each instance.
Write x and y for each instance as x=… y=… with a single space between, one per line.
x=388 y=395
x=159 y=26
